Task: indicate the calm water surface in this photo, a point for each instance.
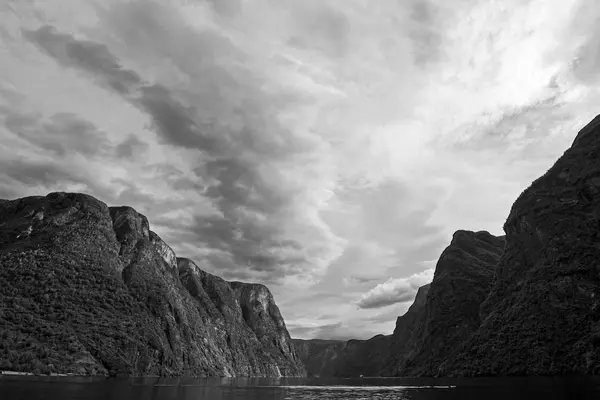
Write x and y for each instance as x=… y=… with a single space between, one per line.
x=304 y=389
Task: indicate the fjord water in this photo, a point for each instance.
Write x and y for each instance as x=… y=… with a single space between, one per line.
x=302 y=389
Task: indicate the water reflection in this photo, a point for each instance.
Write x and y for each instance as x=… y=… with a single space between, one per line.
x=301 y=389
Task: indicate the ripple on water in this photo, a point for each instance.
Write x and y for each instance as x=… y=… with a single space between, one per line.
x=352 y=392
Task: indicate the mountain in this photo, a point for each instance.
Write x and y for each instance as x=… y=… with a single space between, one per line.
x=461 y=282
x=373 y=357
x=542 y=315
x=320 y=356
x=90 y=289
x=325 y=358
x=406 y=334
x=443 y=313
x=527 y=303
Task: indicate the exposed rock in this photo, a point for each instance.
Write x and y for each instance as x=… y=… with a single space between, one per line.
x=89 y=289
x=542 y=316
x=262 y=315
x=166 y=252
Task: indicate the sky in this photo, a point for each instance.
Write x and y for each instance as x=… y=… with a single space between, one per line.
x=326 y=148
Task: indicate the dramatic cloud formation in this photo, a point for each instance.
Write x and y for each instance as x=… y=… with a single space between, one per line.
x=326 y=148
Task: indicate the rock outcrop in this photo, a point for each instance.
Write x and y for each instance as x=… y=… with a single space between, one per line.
x=90 y=289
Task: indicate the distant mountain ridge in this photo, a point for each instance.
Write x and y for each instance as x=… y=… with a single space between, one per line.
x=370 y=357
x=90 y=289
x=527 y=303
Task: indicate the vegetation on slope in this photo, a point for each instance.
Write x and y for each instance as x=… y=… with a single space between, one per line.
x=91 y=290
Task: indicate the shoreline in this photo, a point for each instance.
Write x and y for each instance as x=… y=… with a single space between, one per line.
x=17 y=373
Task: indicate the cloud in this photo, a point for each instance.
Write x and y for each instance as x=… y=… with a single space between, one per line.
x=243 y=167
x=395 y=291
x=61 y=133
x=88 y=56
x=384 y=317
x=320 y=147
x=34 y=174
x=425 y=16
x=21 y=178
x=130 y=147
x=336 y=331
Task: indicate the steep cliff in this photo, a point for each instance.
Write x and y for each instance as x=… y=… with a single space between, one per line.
x=408 y=331
x=542 y=315
x=461 y=282
x=89 y=289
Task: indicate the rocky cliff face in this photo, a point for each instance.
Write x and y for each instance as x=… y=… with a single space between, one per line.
x=90 y=289
x=542 y=315
x=404 y=340
x=462 y=280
